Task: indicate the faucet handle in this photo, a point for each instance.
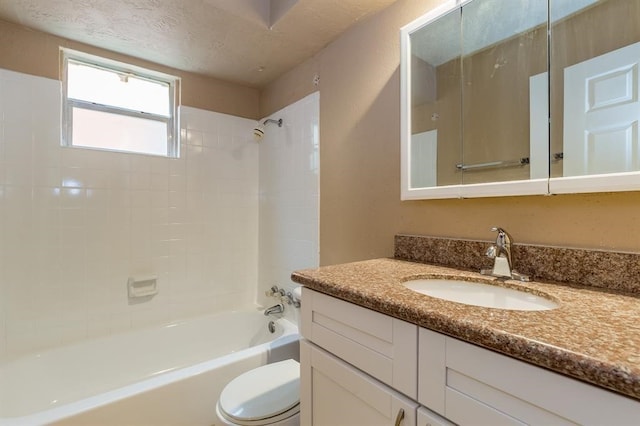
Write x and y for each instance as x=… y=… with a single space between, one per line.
x=274 y=291
x=491 y=252
x=503 y=239
x=290 y=300
x=499 y=230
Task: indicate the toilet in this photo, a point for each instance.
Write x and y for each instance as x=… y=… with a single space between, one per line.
x=267 y=395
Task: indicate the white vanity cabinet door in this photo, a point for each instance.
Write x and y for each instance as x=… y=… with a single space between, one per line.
x=335 y=393
x=381 y=346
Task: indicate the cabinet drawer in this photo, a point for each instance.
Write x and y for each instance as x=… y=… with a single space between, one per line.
x=525 y=392
x=457 y=395
x=471 y=385
x=381 y=346
x=335 y=393
x=465 y=410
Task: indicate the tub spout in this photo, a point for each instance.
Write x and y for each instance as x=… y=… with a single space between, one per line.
x=275 y=309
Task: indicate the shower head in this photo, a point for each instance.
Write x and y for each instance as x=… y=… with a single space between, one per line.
x=258 y=131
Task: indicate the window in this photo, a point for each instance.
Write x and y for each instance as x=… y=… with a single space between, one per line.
x=118 y=107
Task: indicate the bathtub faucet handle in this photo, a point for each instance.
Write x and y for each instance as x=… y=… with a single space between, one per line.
x=290 y=300
x=274 y=291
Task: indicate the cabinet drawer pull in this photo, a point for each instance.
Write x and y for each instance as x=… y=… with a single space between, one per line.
x=400 y=417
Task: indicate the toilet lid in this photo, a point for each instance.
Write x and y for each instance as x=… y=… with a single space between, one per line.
x=263 y=392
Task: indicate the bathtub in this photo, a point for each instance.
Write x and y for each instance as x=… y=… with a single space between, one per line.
x=169 y=375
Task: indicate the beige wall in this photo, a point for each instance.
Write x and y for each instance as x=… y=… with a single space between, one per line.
x=36 y=53
x=360 y=207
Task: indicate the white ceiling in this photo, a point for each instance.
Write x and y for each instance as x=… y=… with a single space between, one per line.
x=245 y=41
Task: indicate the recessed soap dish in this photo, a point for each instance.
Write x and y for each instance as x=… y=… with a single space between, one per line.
x=142 y=286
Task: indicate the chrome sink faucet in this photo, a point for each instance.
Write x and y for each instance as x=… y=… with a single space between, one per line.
x=502 y=260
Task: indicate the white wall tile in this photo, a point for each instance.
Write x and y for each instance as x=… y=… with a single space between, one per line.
x=76 y=223
x=289 y=186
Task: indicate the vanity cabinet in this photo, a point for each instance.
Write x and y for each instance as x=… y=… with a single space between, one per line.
x=339 y=394
x=359 y=366
x=381 y=346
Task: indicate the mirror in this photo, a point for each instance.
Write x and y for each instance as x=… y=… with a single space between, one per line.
x=595 y=96
x=504 y=47
x=476 y=79
x=436 y=136
x=471 y=71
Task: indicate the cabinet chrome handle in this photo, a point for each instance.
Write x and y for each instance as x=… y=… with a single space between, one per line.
x=400 y=417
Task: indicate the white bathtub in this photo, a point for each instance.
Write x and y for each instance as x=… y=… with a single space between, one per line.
x=170 y=375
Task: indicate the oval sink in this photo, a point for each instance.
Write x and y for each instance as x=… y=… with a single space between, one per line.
x=480 y=294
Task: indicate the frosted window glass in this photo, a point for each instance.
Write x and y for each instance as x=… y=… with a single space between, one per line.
x=107 y=87
x=103 y=130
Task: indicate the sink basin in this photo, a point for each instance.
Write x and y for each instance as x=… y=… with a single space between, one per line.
x=480 y=294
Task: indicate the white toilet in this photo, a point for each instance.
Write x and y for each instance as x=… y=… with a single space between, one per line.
x=267 y=395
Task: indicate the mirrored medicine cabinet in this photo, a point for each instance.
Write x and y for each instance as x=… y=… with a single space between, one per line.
x=520 y=97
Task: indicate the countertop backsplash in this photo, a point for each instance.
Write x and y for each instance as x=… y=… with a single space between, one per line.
x=608 y=270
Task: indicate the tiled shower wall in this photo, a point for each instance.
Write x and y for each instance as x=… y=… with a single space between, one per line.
x=289 y=196
x=76 y=223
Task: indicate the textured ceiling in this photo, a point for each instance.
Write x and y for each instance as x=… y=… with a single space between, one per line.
x=245 y=41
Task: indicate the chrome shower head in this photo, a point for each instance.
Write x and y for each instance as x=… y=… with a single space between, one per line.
x=258 y=131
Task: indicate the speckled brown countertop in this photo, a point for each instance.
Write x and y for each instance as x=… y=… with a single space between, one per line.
x=594 y=335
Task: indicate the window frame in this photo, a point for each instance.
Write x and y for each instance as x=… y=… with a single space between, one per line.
x=68 y=104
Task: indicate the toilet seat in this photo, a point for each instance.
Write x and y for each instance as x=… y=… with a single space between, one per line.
x=263 y=395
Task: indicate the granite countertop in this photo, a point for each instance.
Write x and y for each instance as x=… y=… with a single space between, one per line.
x=594 y=334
